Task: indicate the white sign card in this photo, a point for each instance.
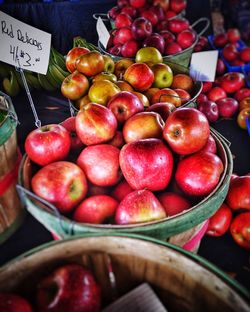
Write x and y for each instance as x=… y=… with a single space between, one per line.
x=102 y=31
x=24 y=43
x=203 y=65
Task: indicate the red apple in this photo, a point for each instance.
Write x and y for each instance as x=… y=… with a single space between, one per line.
x=242 y=94
x=167 y=35
x=178 y=24
x=183 y=81
x=122 y=3
x=186 y=38
x=230 y=52
x=227 y=107
x=210 y=110
x=173 y=203
x=115 y=50
x=221 y=67
x=245 y=54
x=240 y=229
x=113 y=12
x=237 y=62
x=238 y=196
x=161 y=25
x=220 y=222
x=233 y=35
x=172 y=48
x=183 y=94
x=177 y=5
x=186 y=131
x=121 y=66
x=220 y=40
x=206 y=86
x=96 y=209
x=216 y=93
x=72 y=56
x=170 y=14
x=95 y=124
x=117 y=140
x=141 y=28
x=201 y=98
x=147 y=164
x=163 y=109
x=232 y=82
x=90 y=64
x=123 y=20
x=131 y=11
x=121 y=190
x=122 y=35
x=140 y=76
x=47 y=144
x=10 y=302
x=61 y=183
x=143 y=125
x=150 y=15
x=70 y=125
x=124 y=105
x=139 y=206
x=166 y=95
x=130 y=48
x=69 y=287
x=210 y=146
x=199 y=174
x=75 y=86
x=159 y=11
x=155 y=40
x=137 y=3
x=101 y=164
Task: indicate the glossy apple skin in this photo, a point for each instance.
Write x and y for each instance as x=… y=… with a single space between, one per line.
x=163 y=75
x=140 y=76
x=201 y=98
x=124 y=105
x=100 y=92
x=210 y=145
x=96 y=209
x=70 y=125
x=149 y=15
x=122 y=35
x=178 y=5
x=155 y=40
x=186 y=130
x=130 y=48
x=109 y=64
x=198 y=174
x=47 y=144
x=76 y=290
x=95 y=124
x=182 y=81
x=172 y=48
x=178 y=25
x=123 y=20
x=245 y=103
x=220 y=40
x=117 y=140
x=139 y=206
x=75 y=86
x=141 y=28
x=238 y=196
x=232 y=82
x=147 y=164
x=173 y=203
x=230 y=52
x=216 y=93
x=186 y=38
x=242 y=117
x=220 y=222
x=61 y=183
x=163 y=109
x=166 y=95
x=183 y=94
x=101 y=164
x=142 y=126
x=90 y=64
x=121 y=190
x=240 y=229
x=210 y=110
x=242 y=94
x=148 y=55
x=227 y=107
x=10 y=302
x=206 y=86
x=72 y=56
x=245 y=54
x=121 y=66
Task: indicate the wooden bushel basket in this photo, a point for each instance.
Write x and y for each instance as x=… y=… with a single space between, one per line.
x=10 y=206
x=181 y=229
x=181 y=280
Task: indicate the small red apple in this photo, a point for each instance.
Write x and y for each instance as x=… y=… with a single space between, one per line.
x=130 y=48
x=220 y=40
x=230 y=52
x=227 y=107
x=210 y=146
x=72 y=56
x=139 y=206
x=220 y=222
x=96 y=209
x=61 y=183
x=238 y=196
x=242 y=94
x=216 y=93
x=233 y=35
x=210 y=110
x=47 y=144
x=240 y=229
x=232 y=82
x=173 y=203
x=121 y=190
x=122 y=20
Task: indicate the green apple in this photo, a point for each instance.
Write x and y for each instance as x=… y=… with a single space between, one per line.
x=163 y=75
x=148 y=55
x=109 y=64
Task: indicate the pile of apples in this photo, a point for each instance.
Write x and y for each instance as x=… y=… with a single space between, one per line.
x=69 y=287
x=226 y=97
x=148 y=24
x=234 y=213
x=96 y=78
x=234 y=52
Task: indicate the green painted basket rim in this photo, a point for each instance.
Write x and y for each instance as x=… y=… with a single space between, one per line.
x=164 y=228
x=235 y=285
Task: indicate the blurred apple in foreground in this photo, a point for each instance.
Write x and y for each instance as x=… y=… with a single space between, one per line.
x=147 y=164
x=10 y=302
x=186 y=130
x=199 y=173
x=69 y=288
x=61 y=183
x=96 y=209
x=47 y=144
x=139 y=206
x=95 y=124
x=100 y=163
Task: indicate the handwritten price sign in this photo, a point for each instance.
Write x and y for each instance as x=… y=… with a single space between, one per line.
x=23 y=45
